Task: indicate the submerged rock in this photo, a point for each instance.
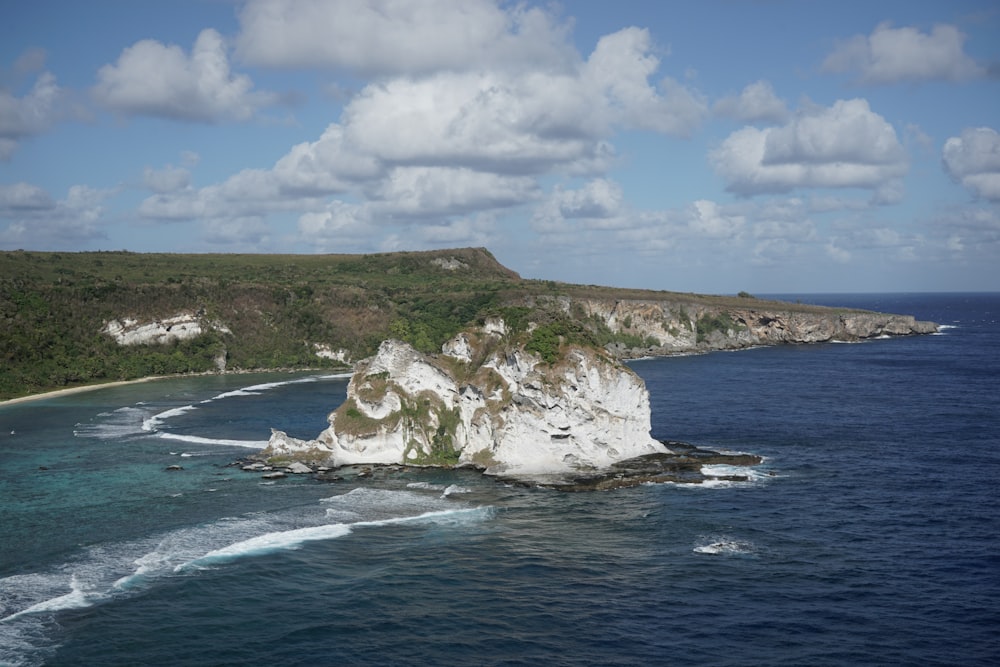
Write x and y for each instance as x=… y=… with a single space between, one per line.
x=681 y=465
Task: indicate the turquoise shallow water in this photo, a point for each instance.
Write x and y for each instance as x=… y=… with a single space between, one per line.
x=869 y=536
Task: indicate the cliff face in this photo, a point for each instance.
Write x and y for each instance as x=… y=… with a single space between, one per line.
x=675 y=326
x=485 y=403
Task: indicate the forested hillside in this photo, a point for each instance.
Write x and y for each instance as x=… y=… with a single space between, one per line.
x=271 y=311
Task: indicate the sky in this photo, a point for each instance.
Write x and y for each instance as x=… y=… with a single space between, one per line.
x=767 y=146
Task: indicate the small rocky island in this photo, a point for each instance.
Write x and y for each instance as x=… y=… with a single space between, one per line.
x=528 y=405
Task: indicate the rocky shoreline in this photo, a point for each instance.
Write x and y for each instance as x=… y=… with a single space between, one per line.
x=682 y=464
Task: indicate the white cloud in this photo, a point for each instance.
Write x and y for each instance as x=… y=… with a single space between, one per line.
x=36 y=220
x=32 y=114
x=846 y=145
x=620 y=67
x=836 y=253
x=893 y=55
x=400 y=37
x=599 y=198
x=167 y=179
x=598 y=204
x=154 y=79
x=756 y=103
x=453 y=143
x=415 y=192
x=21 y=197
x=706 y=219
x=244 y=232
x=973 y=159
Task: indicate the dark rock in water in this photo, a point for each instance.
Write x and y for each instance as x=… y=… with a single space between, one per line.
x=173 y=468
x=682 y=465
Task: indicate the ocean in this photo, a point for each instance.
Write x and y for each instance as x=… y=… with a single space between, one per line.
x=869 y=535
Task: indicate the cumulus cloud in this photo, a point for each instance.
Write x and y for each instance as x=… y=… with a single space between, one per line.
x=400 y=37
x=843 y=146
x=28 y=115
x=453 y=144
x=598 y=204
x=167 y=179
x=414 y=192
x=620 y=68
x=37 y=220
x=893 y=55
x=154 y=79
x=707 y=219
x=756 y=103
x=973 y=159
x=20 y=197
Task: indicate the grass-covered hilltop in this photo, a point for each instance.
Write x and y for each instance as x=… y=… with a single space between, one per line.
x=71 y=319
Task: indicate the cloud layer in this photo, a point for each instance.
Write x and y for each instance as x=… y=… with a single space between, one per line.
x=894 y=55
x=846 y=145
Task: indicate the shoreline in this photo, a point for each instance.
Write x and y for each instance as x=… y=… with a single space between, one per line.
x=56 y=393
x=69 y=391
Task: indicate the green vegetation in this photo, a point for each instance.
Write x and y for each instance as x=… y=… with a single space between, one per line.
x=276 y=309
x=710 y=322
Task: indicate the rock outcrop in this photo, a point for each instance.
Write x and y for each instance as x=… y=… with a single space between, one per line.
x=182 y=326
x=488 y=403
x=675 y=326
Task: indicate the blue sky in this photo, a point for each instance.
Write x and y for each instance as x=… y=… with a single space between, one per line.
x=719 y=146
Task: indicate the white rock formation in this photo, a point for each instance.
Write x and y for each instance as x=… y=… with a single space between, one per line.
x=488 y=404
x=183 y=326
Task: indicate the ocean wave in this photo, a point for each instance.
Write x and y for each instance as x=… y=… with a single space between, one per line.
x=267 y=543
x=258 y=389
x=294 y=538
x=119 y=423
x=199 y=440
x=153 y=424
x=107 y=571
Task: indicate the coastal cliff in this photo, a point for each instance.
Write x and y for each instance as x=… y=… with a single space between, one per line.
x=489 y=403
x=675 y=325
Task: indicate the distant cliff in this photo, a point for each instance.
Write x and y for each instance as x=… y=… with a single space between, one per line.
x=675 y=325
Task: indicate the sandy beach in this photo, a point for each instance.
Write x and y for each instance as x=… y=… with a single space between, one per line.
x=76 y=390
x=103 y=385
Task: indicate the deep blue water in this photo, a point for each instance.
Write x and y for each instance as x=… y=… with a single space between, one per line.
x=870 y=535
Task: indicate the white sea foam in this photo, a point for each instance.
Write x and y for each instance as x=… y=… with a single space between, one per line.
x=119 y=423
x=716 y=470
x=455 y=488
x=724 y=546
x=267 y=543
x=294 y=538
x=425 y=485
x=153 y=424
x=199 y=440
x=78 y=596
x=127 y=568
x=257 y=389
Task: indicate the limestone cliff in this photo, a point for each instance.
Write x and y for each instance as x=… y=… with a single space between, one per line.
x=673 y=326
x=486 y=401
